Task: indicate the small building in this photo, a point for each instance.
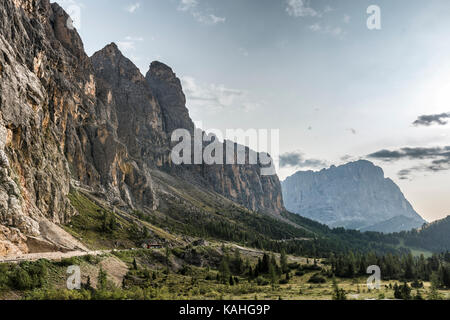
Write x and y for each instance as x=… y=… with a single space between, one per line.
x=148 y=245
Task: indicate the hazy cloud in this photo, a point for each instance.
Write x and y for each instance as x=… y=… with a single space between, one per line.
x=411 y=153
x=133 y=7
x=435 y=166
x=298 y=160
x=300 y=8
x=404 y=174
x=428 y=120
x=130 y=38
x=193 y=7
x=126 y=46
x=325 y=29
x=348 y=158
x=129 y=44
x=438 y=157
x=186 y=5
x=303 y=8
x=244 y=52
x=213 y=96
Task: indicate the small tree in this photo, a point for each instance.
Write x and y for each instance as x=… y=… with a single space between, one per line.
x=338 y=294
x=402 y=292
x=435 y=282
x=102 y=279
x=283 y=262
x=224 y=270
x=168 y=253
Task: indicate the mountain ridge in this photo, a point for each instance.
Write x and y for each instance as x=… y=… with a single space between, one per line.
x=68 y=119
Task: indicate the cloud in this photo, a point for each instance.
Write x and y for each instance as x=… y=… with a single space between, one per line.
x=348 y=158
x=129 y=43
x=327 y=9
x=216 y=97
x=297 y=160
x=435 y=166
x=210 y=19
x=335 y=31
x=300 y=8
x=438 y=159
x=215 y=19
x=134 y=39
x=411 y=153
x=186 y=5
x=73 y=9
x=193 y=7
x=126 y=46
x=405 y=174
x=133 y=7
x=315 y=27
x=428 y=120
x=244 y=52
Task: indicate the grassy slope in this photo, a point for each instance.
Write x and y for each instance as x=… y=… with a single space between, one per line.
x=189 y=281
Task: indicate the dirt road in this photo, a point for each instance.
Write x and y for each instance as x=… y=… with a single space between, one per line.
x=54 y=256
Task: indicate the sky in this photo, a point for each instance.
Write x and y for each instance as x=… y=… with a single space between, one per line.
x=337 y=90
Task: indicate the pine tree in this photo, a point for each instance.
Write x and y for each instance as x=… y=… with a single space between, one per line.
x=224 y=270
x=283 y=262
x=168 y=259
x=418 y=296
x=265 y=264
x=338 y=294
x=435 y=282
x=102 y=279
x=238 y=264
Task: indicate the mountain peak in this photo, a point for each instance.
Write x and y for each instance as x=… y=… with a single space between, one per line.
x=161 y=71
x=110 y=50
x=355 y=195
x=113 y=48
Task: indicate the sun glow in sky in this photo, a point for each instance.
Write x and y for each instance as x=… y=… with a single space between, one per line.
x=336 y=90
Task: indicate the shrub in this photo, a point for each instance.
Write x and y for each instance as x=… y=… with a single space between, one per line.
x=300 y=273
x=262 y=281
x=317 y=278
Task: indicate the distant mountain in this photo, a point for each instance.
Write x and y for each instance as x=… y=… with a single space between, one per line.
x=354 y=196
x=394 y=225
x=434 y=236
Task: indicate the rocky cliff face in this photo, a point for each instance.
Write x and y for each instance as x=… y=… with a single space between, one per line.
x=67 y=118
x=355 y=196
x=241 y=183
x=41 y=86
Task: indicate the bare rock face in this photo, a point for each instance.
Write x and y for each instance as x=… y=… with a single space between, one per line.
x=167 y=89
x=243 y=184
x=34 y=174
x=65 y=117
x=354 y=196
